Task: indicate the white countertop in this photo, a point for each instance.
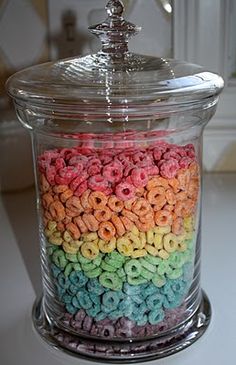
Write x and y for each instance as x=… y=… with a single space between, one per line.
x=20 y=280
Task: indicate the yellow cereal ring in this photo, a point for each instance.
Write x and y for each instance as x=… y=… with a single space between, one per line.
x=107 y=246
x=163 y=254
x=158 y=241
x=143 y=239
x=162 y=230
x=54 y=240
x=170 y=242
x=139 y=253
x=151 y=250
x=124 y=246
x=71 y=247
x=135 y=231
x=88 y=237
x=67 y=236
x=90 y=250
x=135 y=241
x=150 y=237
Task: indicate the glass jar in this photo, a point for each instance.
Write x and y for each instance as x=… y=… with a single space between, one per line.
x=117 y=152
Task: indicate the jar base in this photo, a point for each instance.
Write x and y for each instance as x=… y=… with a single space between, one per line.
x=116 y=352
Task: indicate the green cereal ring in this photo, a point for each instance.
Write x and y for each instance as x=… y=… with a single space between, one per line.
x=117 y=256
x=158 y=280
x=133 y=268
x=70 y=267
x=176 y=260
x=94 y=273
x=153 y=260
x=98 y=260
x=114 y=263
x=82 y=259
x=146 y=274
x=88 y=267
x=155 y=301
x=107 y=267
x=50 y=249
x=175 y=274
x=71 y=257
x=110 y=280
x=121 y=273
x=164 y=268
x=59 y=259
x=156 y=316
x=136 y=280
x=147 y=265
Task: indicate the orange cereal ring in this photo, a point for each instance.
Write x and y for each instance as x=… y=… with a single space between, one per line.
x=184 y=208
x=44 y=184
x=193 y=189
x=160 y=203
x=73 y=204
x=66 y=195
x=140 y=192
x=178 y=226
x=128 y=203
x=141 y=207
x=154 y=194
x=47 y=199
x=60 y=227
x=106 y=231
x=73 y=230
x=81 y=225
x=120 y=229
x=115 y=204
x=183 y=177
x=194 y=169
x=174 y=183
x=102 y=215
x=169 y=207
x=84 y=199
x=91 y=222
x=157 y=182
x=97 y=200
x=128 y=224
x=126 y=213
x=58 y=189
x=182 y=195
x=148 y=217
x=47 y=215
x=170 y=197
x=57 y=211
x=144 y=227
x=67 y=220
x=163 y=218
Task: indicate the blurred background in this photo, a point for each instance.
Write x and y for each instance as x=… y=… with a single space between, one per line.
x=199 y=31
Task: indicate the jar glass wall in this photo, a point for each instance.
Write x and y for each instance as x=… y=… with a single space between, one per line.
x=119 y=223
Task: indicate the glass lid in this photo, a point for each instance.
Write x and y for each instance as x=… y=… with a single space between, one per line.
x=114 y=76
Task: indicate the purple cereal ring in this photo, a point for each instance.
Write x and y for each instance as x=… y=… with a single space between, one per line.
x=87 y=323
x=80 y=315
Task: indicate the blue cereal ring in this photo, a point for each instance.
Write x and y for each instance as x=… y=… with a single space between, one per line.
x=63 y=281
x=111 y=300
x=101 y=316
x=71 y=309
x=131 y=290
x=55 y=270
x=156 y=316
x=84 y=299
x=155 y=301
x=126 y=306
x=95 y=287
x=77 y=278
x=94 y=310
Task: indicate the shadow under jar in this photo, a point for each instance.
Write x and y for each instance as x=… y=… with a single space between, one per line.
x=117 y=153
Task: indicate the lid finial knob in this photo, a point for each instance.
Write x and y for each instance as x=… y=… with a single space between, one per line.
x=115 y=31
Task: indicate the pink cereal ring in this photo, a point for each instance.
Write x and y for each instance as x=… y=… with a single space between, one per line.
x=125 y=191
x=81 y=188
x=139 y=177
x=169 y=168
x=98 y=183
x=75 y=183
x=113 y=172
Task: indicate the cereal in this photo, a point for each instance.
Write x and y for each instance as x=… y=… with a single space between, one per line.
x=97 y=200
x=106 y=231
